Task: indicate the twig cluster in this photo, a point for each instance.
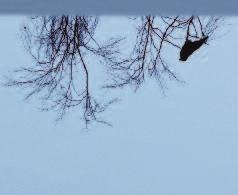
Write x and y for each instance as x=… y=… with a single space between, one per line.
x=62 y=46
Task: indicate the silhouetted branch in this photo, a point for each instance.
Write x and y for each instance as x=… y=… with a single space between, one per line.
x=154 y=34
x=61 y=45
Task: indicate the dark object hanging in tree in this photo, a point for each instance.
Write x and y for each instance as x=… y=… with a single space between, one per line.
x=190 y=46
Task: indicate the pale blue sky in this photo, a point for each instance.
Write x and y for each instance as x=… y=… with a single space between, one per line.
x=183 y=143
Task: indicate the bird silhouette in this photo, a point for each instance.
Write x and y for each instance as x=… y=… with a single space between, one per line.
x=191 y=46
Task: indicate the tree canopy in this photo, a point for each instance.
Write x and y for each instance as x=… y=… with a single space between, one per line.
x=62 y=47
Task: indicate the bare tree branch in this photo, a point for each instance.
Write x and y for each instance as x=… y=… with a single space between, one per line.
x=62 y=47
x=154 y=34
